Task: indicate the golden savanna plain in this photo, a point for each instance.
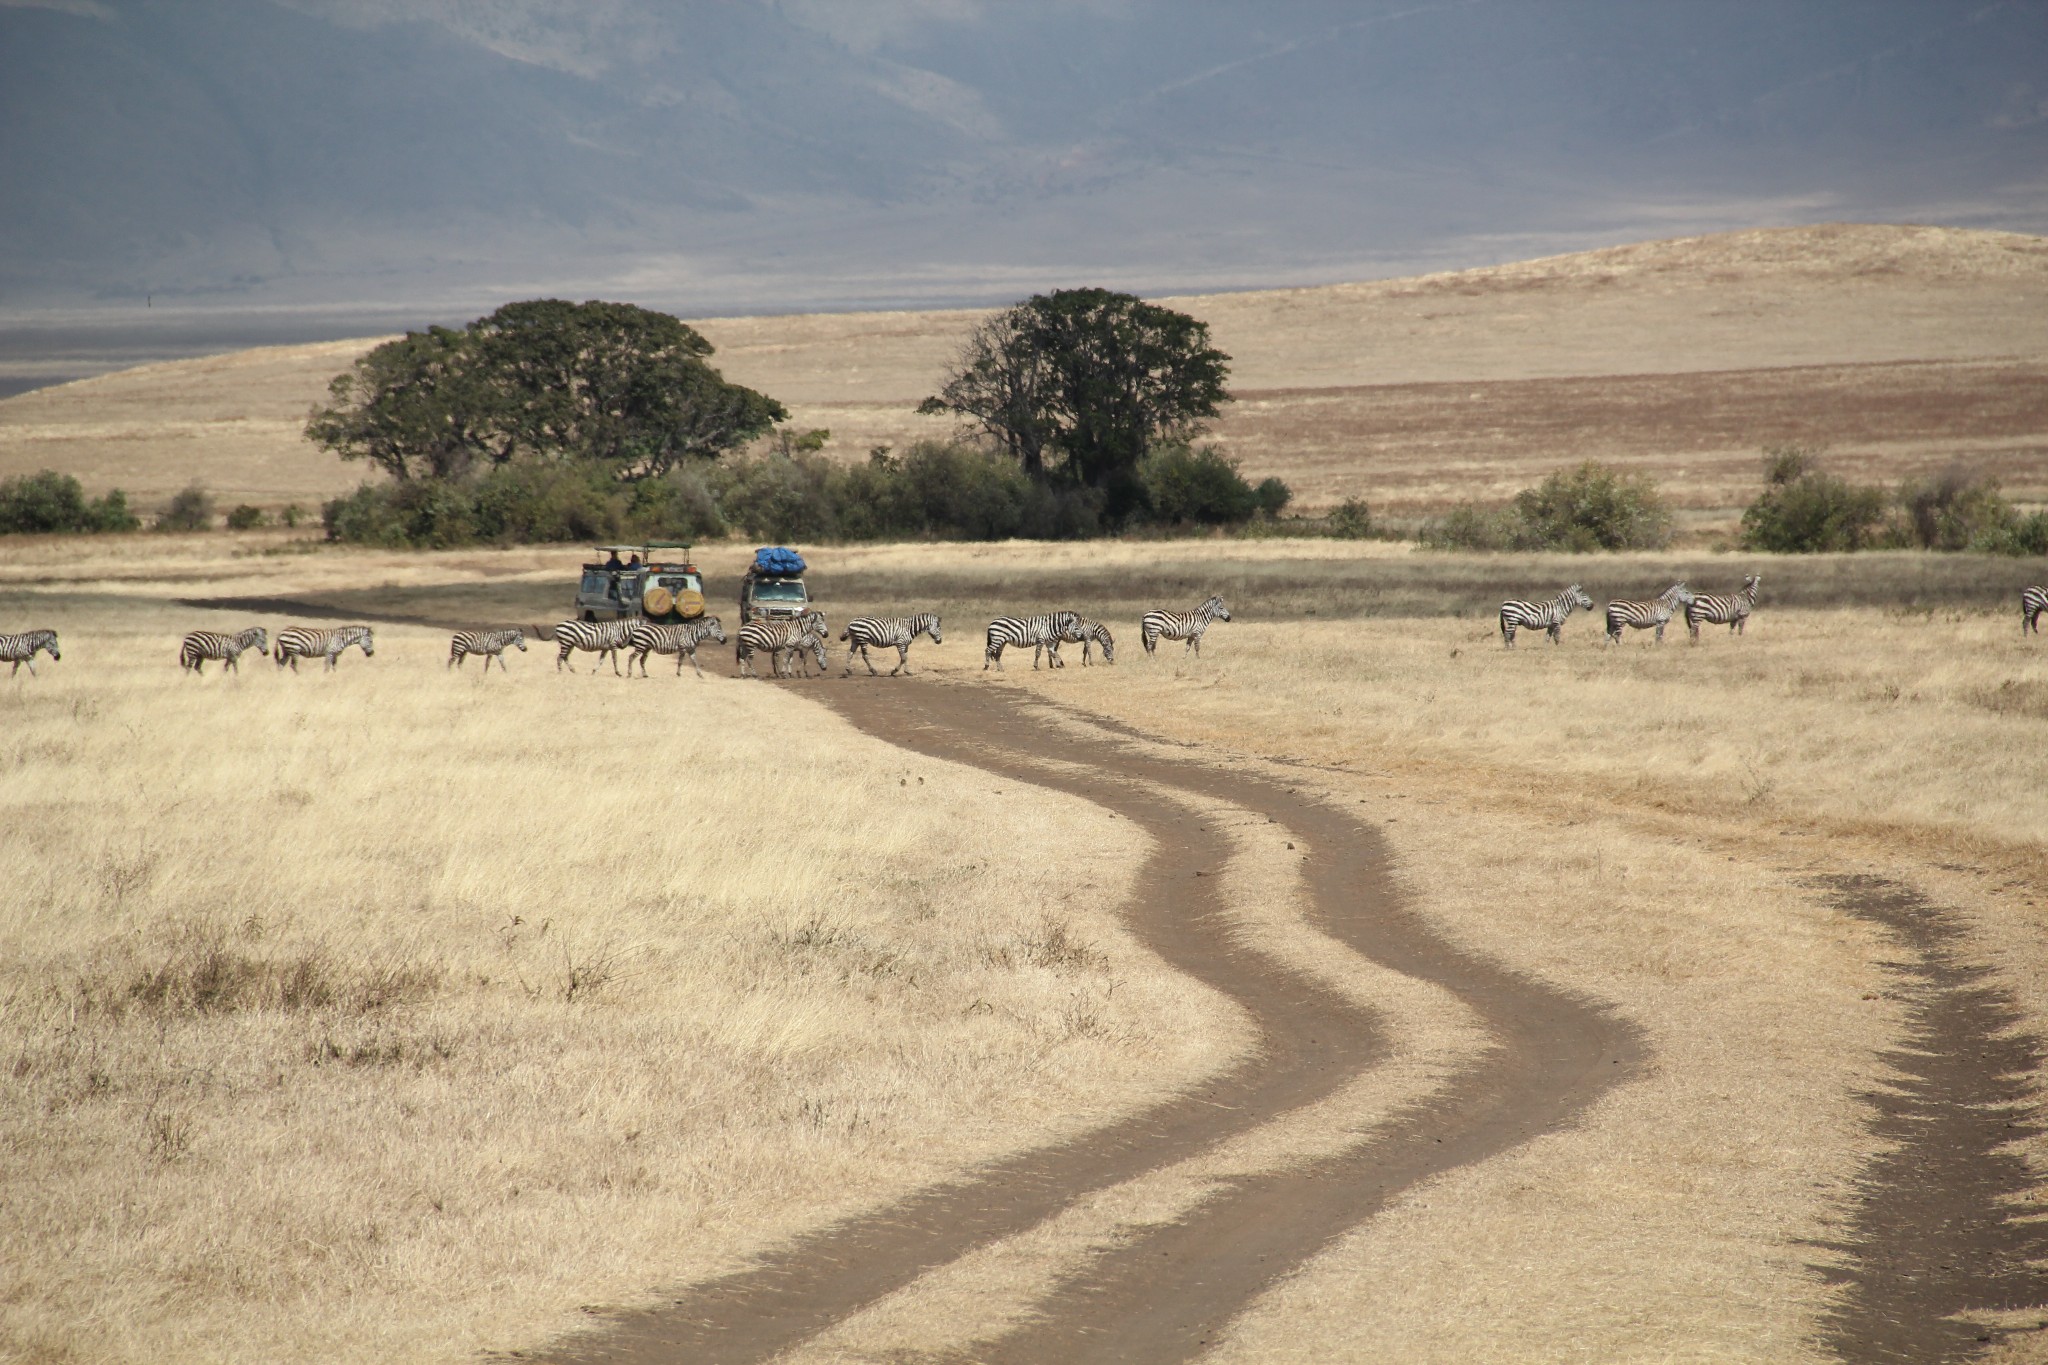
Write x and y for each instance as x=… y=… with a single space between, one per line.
x=405 y=1014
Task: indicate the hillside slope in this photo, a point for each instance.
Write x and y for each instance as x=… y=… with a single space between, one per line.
x=1901 y=347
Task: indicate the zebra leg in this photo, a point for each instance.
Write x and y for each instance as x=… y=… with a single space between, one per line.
x=866 y=660
x=1507 y=634
x=563 y=658
x=1660 y=634
x=902 y=661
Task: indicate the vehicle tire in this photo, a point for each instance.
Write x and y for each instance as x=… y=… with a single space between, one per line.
x=590 y=616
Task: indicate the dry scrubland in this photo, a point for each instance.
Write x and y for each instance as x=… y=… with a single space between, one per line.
x=457 y=1139
x=393 y=1015
x=1902 y=348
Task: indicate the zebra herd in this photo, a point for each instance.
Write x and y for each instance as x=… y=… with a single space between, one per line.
x=793 y=645
x=1731 y=611
x=1045 y=634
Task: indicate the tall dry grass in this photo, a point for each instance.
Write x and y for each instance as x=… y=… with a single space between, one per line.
x=393 y=1014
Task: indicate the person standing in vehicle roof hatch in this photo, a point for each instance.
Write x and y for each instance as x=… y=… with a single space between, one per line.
x=634 y=561
x=613 y=562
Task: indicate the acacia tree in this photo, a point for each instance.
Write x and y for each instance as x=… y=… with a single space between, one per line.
x=610 y=384
x=1090 y=376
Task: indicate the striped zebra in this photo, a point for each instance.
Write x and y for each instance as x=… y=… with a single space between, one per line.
x=680 y=639
x=202 y=645
x=780 y=639
x=491 y=644
x=301 y=642
x=1095 y=633
x=1181 y=625
x=863 y=633
x=1546 y=616
x=1042 y=633
x=1731 y=611
x=1643 y=615
x=602 y=638
x=21 y=649
x=2033 y=601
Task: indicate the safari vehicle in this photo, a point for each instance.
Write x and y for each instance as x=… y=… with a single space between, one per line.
x=774 y=585
x=654 y=581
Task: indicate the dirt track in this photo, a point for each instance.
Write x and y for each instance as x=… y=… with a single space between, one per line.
x=1554 y=1056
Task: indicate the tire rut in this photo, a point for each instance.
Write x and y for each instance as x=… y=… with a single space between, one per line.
x=1165 y=1296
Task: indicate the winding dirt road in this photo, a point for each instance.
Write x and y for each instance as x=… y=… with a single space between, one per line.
x=1165 y=1295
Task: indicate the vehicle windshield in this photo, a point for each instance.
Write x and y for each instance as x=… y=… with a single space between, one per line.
x=779 y=592
x=595 y=581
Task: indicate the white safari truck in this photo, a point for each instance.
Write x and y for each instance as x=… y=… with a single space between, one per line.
x=773 y=586
x=654 y=581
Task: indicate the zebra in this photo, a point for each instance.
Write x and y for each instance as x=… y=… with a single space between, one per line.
x=202 y=645
x=1550 y=616
x=680 y=640
x=788 y=636
x=1731 y=611
x=489 y=643
x=599 y=637
x=21 y=649
x=1042 y=633
x=1181 y=625
x=1095 y=633
x=1643 y=615
x=2033 y=601
x=879 y=632
x=303 y=642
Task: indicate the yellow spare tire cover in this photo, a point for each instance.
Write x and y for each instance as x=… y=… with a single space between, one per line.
x=658 y=601
x=690 y=603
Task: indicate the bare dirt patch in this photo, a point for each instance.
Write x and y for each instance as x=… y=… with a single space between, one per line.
x=1941 y=1236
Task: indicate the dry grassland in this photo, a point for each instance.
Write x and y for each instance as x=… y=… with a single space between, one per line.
x=1901 y=347
x=456 y=1142
x=1642 y=825
x=393 y=1015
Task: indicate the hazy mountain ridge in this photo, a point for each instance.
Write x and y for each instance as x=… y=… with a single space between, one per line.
x=732 y=155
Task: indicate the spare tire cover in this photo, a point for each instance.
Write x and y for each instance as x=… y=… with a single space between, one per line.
x=690 y=603
x=657 y=601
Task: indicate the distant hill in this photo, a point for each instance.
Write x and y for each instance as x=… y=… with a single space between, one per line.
x=1902 y=348
x=740 y=155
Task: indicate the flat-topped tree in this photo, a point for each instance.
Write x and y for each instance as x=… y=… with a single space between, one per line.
x=611 y=384
x=1080 y=383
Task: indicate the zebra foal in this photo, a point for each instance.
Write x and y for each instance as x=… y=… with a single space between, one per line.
x=602 y=638
x=1731 y=611
x=1042 y=633
x=1643 y=615
x=300 y=642
x=1181 y=625
x=863 y=633
x=681 y=640
x=1548 y=617
x=2033 y=601
x=1095 y=633
x=202 y=645
x=491 y=644
x=780 y=640
x=21 y=649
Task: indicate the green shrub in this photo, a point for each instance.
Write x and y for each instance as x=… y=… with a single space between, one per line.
x=1954 y=510
x=2021 y=535
x=190 y=509
x=1468 y=526
x=1201 y=486
x=1593 y=507
x=292 y=514
x=1804 y=510
x=47 y=503
x=1351 y=521
x=1587 y=508
x=246 y=518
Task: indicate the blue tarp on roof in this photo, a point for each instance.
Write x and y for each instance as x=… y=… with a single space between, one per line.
x=779 y=560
